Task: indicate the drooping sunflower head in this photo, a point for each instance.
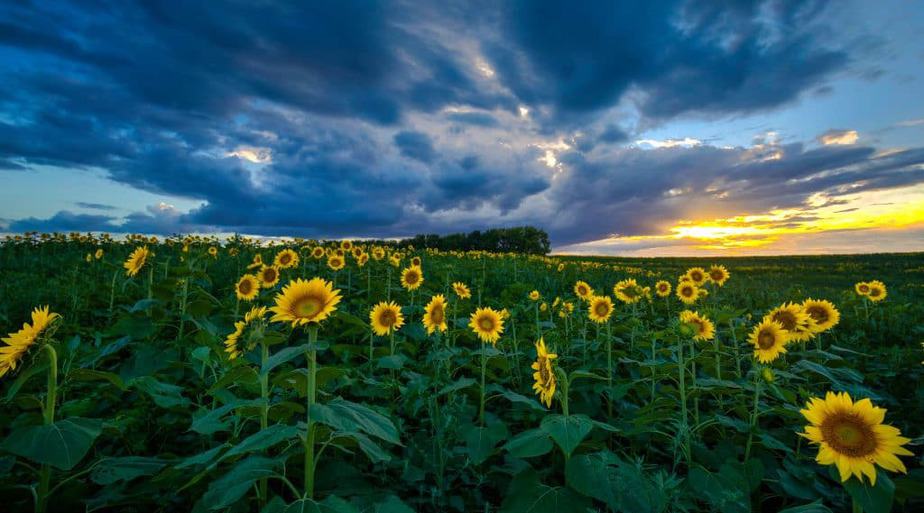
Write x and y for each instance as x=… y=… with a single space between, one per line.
x=336 y=262
x=412 y=277
x=487 y=324
x=241 y=339
x=794 y=320
x=718 y=274
x=257 y=262
x=703 y=330
x=434 y=318
x=386 y=317
x=862 y=288
x=286 y=259
x=136 y=260
x=461 y=290
x=769 y=340
x=688 y=292
x=628 y=291
x=534 y=295
x=583 y=290
x=823 y=313
x=302 y=302
x=877 y=291
x=600 y=308
x=247 y=287
x=852 y=436
x=544 y=377
x=269 y=276
x=18 y=343
x=394 y=260
x=697 y=275
x=663 y=288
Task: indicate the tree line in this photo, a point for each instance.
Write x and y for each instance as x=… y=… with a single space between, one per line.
x=521 y=239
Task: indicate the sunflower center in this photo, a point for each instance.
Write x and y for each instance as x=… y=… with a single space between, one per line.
x=486 y=324
x=601 y=309
x=285 y=259
x=874 y=292
x=582 y=290
x=411 y=278
x=245 y=287
x=849 y=434
x=786 y=318
x=269 y=275
x=864 y=288
x=544 y=371
x=308 y=307
x=766 y=340
x=716 y=275
x=819 y=314
x=630 y=292
x=662 y=287
x=437 y=315
x=387 y=318
x=697 y=276
x=687 y=291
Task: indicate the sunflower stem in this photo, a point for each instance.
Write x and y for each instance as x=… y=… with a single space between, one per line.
x=264 y=409
x=484 y=366
x=48 y=418
x=681 y=368
x=311 y=397
x=609 y=371
x=754 y=412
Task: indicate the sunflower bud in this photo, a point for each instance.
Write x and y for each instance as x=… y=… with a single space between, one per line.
x=767 y=375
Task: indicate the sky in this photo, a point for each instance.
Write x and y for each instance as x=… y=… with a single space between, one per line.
x=626 y=128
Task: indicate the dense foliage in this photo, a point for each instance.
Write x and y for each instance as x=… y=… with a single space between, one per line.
x=523 y=239
x=131 y=400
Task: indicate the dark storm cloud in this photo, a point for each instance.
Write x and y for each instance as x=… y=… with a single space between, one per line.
x=377 y=120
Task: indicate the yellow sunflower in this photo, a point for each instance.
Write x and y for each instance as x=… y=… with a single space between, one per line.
x=317 y=252
x=627 y=291
x=877 y=291
x=583 y=290
x=823 y=313
x=862 y=288
x=544 y=376
x=718 y=274
x=269 y=276
x=794 y=320
x=17 y=344
x=234 y=346
x=302 y=302
x=213 y=251
x=769 y=340
x=534 y=295
x=257 y=262
x=663 y=288
x=487 y=324
x=851 y=436
x=357 y=252
x=600 y=309
x=247 y=287
x=286 y=259
x=415 y=261
x=705 y=329
x=346 y=245
x=378 y=253
x=697 y=275
x=361 y=261
x=98 y=254
x=461 y=290
x=435 y=314
x=412 y=278
x=136 y=260
x=335 y=262
x=688 y=292
x=385 y=318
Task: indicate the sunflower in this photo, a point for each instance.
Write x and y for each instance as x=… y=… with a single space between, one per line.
x=663 y=288
x=697 y=275
x=627 y=291
x=487 y=324
x=435 y=314
x=98 y=254
x=302 y=302
x=769 y=340
x=718 y=274
x=286 y=259
x=688 y=292
x=257 y=262
x=346 y=245
x=862 y=288
x=583 y=290
x=877 y=291
x=385 y=318
x=600 y=309
x=823 y=313
x=213 y=251
x=411 y=278
x=534 y=295
x=357 y=252
x=415 y=261
x=794 y=320
x=461 y=290
x=361 y=261
x=378 y=253
x=705 y=330
x=335 y=262
x=234 y=346
x=394 y=260
x=18 y=343
x=851 y=436
x=544 y=376
x=136 y=260
x=247 y=287
x=269 y=276
x=317 y=252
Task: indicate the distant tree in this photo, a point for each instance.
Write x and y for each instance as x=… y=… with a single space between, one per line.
x=522 y=239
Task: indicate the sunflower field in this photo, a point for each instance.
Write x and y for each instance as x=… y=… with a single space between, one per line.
x=198 y=374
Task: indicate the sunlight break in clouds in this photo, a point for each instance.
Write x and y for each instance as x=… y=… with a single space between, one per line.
x=839 y=137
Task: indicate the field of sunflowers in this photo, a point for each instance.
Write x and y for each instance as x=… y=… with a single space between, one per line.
x=198 y=374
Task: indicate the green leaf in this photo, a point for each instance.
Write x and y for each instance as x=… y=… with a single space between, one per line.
x=621 y=485
x=392 y=504
x=815 y=507
x=283 y=356
x=526 y=494
x=227 y=489
x=95 y=375
x=262 y=439
x=62 y=444
x=873 y=499
x=331 y=504
x=203 y=458
x=23 y=377
x=480 y=441
x=514 y=397
x=113 y=470
x=210 y=421
x=459 y=384
x=567 y=431
x=371 y=449
x=344 y=415
x=529 y=444
x=726 y=491
x=164 y=395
